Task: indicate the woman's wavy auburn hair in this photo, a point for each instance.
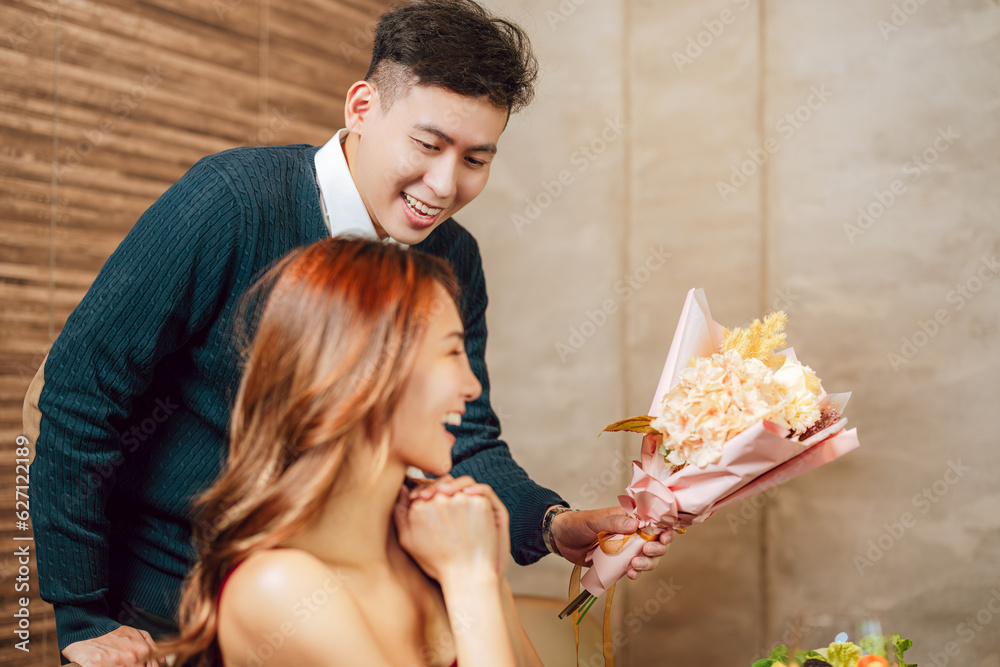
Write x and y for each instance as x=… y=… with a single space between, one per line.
x=334 y=346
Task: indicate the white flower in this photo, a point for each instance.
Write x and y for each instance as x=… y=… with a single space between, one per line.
x=718 y=397
x=797 y=402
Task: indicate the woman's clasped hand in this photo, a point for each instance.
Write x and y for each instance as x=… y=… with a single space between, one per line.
x=454 y=528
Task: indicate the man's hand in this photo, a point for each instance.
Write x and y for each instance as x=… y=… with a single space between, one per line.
x=575 y=532
x=122 y=647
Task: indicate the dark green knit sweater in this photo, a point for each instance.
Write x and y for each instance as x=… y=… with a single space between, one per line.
x=140 y=383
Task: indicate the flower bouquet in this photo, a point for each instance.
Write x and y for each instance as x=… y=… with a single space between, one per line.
x=732 y=416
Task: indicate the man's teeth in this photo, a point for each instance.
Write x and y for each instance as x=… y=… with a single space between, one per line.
x=420 y=207
x=452 y=418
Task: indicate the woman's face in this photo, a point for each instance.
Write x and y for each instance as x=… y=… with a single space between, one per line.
x=436 y=393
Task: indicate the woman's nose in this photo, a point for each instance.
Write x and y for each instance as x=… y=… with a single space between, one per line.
x=473 y=388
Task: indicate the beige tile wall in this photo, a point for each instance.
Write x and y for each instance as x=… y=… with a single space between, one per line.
x=826 y=107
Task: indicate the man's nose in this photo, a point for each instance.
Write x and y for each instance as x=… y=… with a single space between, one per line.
x=440 y=178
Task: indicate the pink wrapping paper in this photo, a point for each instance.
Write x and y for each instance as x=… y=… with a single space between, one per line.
x=754 y=461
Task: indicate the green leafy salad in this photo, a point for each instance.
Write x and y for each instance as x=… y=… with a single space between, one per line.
x=872 y=651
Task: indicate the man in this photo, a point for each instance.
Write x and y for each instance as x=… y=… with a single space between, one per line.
x=138 y=386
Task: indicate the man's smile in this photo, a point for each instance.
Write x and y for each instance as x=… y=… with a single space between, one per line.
x=420 y=207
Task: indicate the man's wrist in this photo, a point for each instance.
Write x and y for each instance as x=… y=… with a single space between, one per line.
x=550 y=514
x=89 y=620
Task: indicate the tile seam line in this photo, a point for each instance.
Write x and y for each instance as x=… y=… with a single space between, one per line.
x=263 y=67
x=54 y=184
x=627 y=190
x=764 y=579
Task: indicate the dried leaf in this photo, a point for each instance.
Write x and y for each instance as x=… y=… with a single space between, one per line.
x=632 y=424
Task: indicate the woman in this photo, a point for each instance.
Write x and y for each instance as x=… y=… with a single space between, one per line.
x=310 y=550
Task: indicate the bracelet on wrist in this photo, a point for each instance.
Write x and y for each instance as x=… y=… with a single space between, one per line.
x=550 y=515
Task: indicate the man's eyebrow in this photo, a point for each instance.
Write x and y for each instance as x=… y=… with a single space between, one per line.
x=485 y=148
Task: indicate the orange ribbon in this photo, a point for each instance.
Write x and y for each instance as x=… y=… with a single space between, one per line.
x=609 y=547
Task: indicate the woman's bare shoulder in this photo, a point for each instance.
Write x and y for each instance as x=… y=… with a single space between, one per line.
x=285 y=605
x=282 y=576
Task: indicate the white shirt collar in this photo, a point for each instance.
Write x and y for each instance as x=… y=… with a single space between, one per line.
x=343 y=209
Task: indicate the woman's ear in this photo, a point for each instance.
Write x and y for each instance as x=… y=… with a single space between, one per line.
x=362 y=99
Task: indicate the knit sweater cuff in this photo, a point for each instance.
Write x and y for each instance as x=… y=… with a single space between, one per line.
x=76 y=623
x=526 y=523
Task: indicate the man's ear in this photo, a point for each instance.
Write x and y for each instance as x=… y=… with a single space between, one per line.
x=362 y=99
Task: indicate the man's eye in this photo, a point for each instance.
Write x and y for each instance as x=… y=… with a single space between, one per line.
x=474 y=162
x=427 y=146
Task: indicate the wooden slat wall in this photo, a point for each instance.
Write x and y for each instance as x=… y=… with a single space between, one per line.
x=102 y=106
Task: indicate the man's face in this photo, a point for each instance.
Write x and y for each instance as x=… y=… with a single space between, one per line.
x=425 y=159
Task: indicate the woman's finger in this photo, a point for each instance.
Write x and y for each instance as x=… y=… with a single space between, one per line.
x=445 y=484
x=401 y=512
x=451 y=486
x=503 y=519
x=500 y=518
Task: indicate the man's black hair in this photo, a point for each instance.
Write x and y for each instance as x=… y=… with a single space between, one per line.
x=455 y=44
